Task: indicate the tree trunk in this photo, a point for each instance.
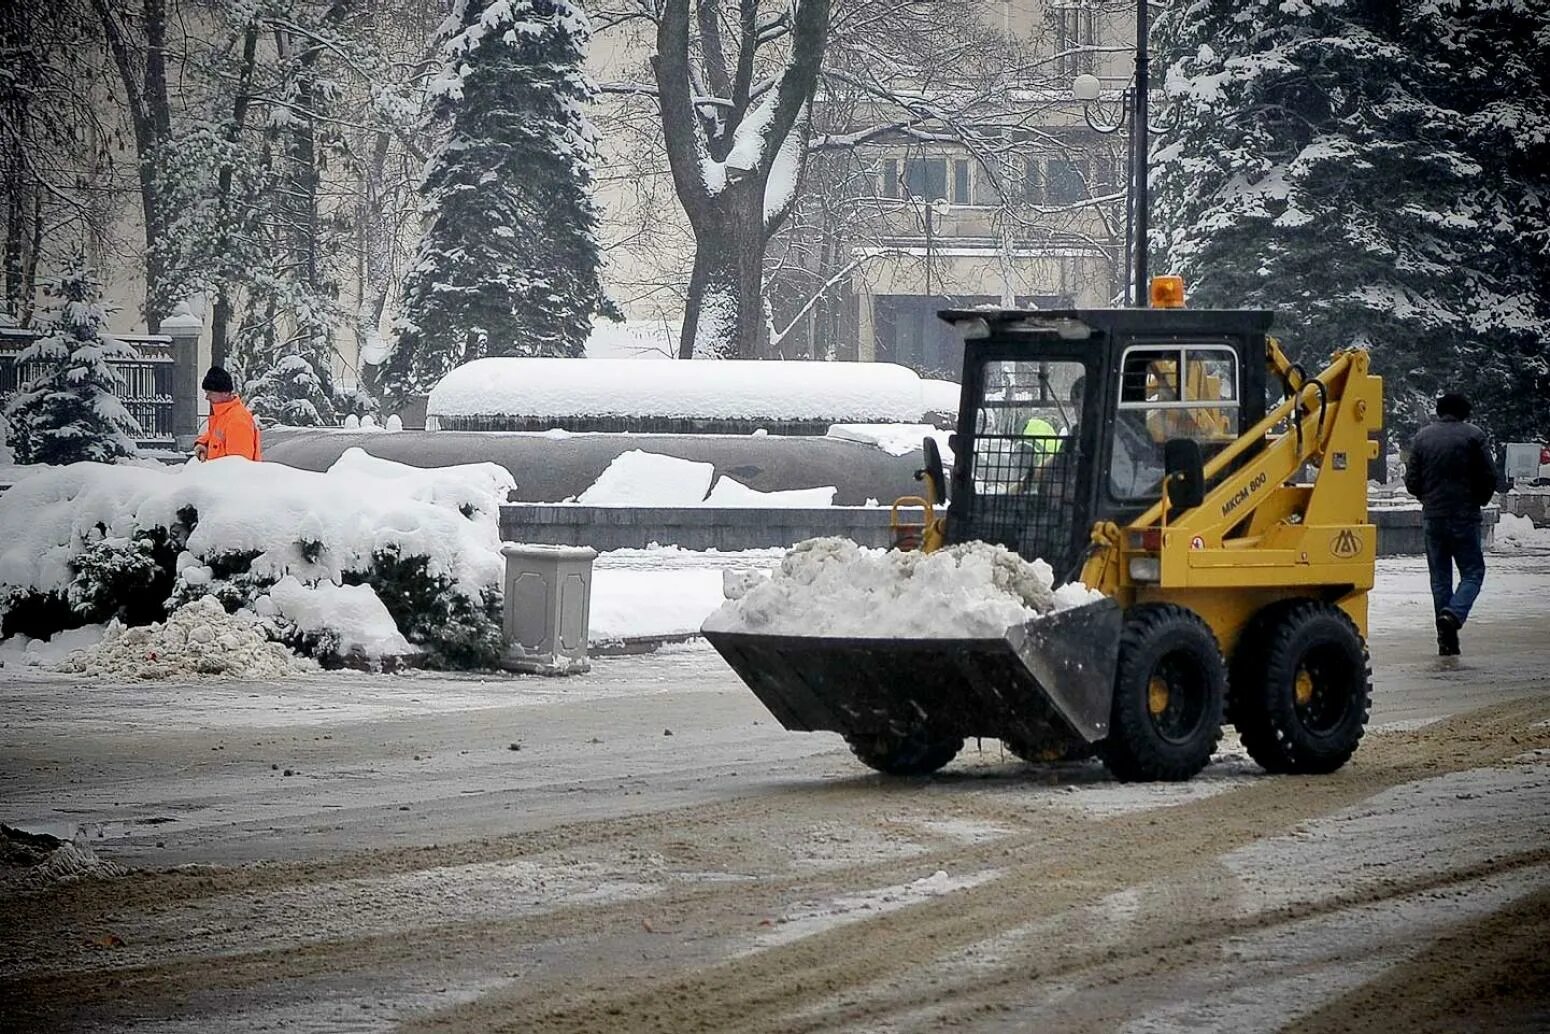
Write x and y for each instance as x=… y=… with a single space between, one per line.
x=15 y=235
x=150 y=114
x=158 y=113
x=30 y=270
x=723 y=314
x=220 y=322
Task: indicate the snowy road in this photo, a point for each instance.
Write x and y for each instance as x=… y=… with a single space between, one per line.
x=643 y=848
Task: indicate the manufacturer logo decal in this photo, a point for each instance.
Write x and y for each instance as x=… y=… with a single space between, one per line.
x=1346 y=544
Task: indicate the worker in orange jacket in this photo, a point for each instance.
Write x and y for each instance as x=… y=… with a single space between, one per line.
x=231 y=430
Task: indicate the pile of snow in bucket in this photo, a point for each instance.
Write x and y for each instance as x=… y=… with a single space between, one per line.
x=833 y=587
x=199 y=639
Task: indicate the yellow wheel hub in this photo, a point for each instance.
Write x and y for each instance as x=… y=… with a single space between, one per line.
x=1157 y=696
x=1303 y=688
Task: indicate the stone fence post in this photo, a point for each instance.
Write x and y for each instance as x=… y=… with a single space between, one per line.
x=184 y=328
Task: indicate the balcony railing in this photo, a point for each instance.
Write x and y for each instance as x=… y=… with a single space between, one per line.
x=146 y=380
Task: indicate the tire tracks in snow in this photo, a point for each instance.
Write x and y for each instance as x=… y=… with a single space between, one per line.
x=707 y=878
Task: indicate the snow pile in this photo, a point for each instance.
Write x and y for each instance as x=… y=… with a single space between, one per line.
x=1514 y=532
x=833 y=587
x=34 y=861
x=639 y=478
x=18 y=649
x=10 y=473
x=353 y=614
x=480 y=487
x=199 y=639
x=730 y=492
x=732 y=389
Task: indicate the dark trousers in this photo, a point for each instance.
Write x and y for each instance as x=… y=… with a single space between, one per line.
x=1449 y=542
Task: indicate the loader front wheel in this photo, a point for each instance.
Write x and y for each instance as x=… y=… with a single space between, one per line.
x=1166 y=716
x=1302 y=690
x=919 y=752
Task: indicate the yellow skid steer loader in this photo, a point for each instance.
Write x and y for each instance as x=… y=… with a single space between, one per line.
x=1227 y=532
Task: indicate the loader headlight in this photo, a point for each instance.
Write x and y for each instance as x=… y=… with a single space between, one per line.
x=1145 y=569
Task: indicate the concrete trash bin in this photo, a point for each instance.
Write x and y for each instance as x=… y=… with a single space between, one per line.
x=548 y=600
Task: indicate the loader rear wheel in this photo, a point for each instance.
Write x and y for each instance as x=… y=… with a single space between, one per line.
x=919 y=752
x=1302 y=688
x=1167 y=712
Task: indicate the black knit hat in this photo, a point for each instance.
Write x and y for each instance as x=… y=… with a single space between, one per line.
x=1454 y=405
x=217 y=380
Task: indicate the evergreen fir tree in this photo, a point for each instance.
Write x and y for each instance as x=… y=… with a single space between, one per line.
x=283 y=354
x=1376 y=173
x=69 y=412
x=508 y=265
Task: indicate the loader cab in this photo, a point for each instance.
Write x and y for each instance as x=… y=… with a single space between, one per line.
x=1066 y=415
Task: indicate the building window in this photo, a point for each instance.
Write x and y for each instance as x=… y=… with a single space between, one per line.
x=1067 y=179
x=925 y=178
x=1033 y=181
x=961 y=194
x=1075 y=29
x=890 y=178
x=985 y=187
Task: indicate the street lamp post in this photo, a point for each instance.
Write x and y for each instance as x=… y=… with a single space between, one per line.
x=937 y=208
x=1134 y=119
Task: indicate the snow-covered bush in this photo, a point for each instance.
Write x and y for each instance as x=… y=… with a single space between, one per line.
x=93 y=542
x=124 y=578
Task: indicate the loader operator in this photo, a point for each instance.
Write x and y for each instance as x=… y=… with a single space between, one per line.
x=1133 y=471
x=1451 y=472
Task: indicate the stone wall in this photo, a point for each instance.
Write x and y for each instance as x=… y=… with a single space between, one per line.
x=724 y=528
x=621 y=527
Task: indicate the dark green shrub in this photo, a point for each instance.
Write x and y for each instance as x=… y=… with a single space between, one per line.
x=454 y=630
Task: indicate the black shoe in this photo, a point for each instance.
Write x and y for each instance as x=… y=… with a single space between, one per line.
x=1447 y=634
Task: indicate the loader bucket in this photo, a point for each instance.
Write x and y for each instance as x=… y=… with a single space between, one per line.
x=1049 y=680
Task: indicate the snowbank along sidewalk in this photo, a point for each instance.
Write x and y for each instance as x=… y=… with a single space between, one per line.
x=366 y=539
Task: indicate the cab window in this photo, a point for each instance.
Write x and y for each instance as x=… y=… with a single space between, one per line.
x=1170 y=391
x=1026 y=420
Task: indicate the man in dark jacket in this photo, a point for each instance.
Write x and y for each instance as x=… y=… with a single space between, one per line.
x=1451 y=472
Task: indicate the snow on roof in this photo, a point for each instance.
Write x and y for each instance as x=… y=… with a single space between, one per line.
x=736 y=389
x=941 y=396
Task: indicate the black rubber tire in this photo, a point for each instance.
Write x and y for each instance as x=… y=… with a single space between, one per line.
x=918 y=753
x=1174 y=645
x=1321 y=734
x=1246 y=668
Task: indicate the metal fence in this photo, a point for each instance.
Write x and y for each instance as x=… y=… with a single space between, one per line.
x=146 y=380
